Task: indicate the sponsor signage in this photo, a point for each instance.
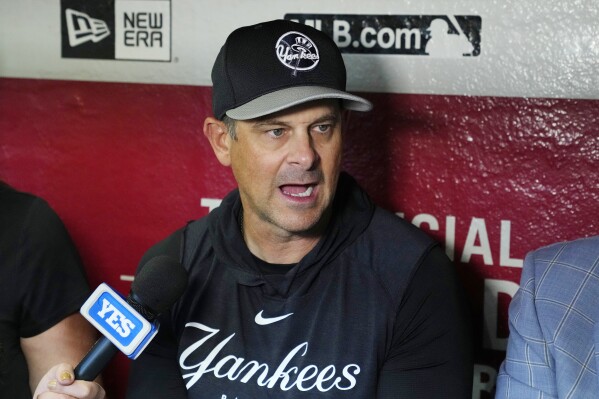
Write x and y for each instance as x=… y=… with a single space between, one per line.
x=442 y=36
x=106 y=310
x=116 y=29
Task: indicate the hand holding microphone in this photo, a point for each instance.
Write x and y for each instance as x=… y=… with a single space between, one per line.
x=60 y=381
x=127 y=325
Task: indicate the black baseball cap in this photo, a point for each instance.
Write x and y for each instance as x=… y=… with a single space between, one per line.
x=275 y=65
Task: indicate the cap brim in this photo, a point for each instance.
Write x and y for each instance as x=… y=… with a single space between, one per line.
x=289 y=97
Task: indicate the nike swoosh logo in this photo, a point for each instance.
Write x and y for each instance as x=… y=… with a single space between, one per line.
x=269 y=320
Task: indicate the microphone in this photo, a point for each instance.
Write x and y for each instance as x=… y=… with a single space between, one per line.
x=130 y=325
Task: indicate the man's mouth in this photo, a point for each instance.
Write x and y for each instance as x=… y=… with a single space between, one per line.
x=297 y=191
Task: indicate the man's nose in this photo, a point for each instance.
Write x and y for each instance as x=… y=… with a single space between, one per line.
x=302 y=151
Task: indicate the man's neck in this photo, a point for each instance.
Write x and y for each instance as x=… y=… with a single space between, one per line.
x=276 y=246
x=282 y=252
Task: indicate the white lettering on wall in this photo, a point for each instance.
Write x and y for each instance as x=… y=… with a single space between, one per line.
x=341 y=34
x=426 y=218
x=485 y=378
x=450 y=236
x=491 y=299
x=477 y=232
x=504 y=252
x=210 y=203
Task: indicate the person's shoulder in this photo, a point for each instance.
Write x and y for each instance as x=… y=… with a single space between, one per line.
x=393 y=246
x=560 y=267
x=170 y=245
x=394 y=250
x=29 y=214
x=191 y=237
x=581 y=253
x=397 y=230
x=173 y=244
x=15 y=201
x=583 y=243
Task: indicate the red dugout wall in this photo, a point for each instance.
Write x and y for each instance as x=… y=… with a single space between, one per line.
x=490 y=173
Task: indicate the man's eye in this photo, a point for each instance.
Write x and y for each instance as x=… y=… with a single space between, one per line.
x=276 y=132
x=323 y=128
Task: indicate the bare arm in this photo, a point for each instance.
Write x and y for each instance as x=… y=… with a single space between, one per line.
x=65 y=342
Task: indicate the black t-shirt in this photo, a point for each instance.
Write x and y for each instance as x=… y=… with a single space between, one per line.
x=373 y=311
x=41 y=281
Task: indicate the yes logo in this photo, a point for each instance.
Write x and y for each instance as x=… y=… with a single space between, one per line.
x=118 y=321
x=115 y=319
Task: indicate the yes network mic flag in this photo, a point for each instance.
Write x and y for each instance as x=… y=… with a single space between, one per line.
x=129 y=324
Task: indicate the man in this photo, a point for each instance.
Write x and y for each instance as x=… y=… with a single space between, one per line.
x=42 y=286
x=554 y=325
x=299 y=286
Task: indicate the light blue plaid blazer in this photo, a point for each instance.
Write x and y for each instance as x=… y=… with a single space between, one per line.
x=553 y=348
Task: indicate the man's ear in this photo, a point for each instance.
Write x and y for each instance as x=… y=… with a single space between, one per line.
x=218 y=136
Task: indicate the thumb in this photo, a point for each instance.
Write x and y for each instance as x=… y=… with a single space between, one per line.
x=61 y=374
x=65 y=374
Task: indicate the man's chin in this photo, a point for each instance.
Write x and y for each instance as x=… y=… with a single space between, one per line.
x=312 y=224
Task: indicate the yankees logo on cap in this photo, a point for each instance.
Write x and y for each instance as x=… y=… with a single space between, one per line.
x=268 y=67
x=296 y=51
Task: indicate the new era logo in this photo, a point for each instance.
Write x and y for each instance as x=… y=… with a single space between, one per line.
x=116 y=29
x=82 y=28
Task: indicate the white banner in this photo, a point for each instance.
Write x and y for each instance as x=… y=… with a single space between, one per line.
x=530 y=48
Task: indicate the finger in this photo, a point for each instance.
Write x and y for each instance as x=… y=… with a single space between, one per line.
x=53 y=395
x=83 y=389
x=49 y=381
x=78 y=389
x=65 y=374
x=59 y=382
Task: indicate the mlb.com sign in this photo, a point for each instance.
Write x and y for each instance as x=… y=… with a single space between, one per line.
x=440 y=36
x=116 y=29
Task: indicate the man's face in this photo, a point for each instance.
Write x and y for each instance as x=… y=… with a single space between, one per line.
x=287 y=165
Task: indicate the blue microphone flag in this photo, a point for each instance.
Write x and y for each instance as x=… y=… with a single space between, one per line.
x=108 y=311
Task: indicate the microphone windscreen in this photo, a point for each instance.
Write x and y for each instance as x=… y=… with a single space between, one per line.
x=160 y=283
